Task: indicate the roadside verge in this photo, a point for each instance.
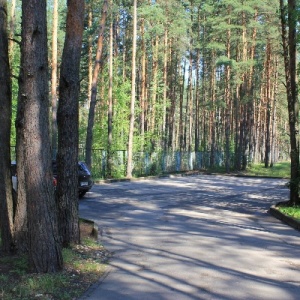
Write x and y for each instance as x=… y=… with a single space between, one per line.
x=275 y=212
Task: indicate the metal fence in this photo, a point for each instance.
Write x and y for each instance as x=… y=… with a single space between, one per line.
x=145 y=164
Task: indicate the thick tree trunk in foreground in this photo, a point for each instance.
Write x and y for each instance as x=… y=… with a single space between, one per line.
x=289 y=41
x=44 y=249
x=67 y=119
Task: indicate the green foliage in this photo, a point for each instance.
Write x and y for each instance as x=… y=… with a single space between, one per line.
x=83 y=266
x=224 y=61
x=121 y=96
x=292 y=211
x=281 y=170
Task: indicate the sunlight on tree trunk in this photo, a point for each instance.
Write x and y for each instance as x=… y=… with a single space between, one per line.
x=132 y=102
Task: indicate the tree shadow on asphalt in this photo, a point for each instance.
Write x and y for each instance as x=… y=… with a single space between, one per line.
x=215 y=212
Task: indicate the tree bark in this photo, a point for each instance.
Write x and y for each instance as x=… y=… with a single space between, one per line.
x=20 y=218
x=97 y=66
x=67 y=118
x=6 y=200
x=54 y=77
x=212 y=121
x=44 y=248
x=110 y=105
x=154 y=87
x=132 y=102
x=228 y=98
x=181 y=116
x=268 y=105
x=289 y=42
x=143 y=85
x=90 y=53
x=165 y=78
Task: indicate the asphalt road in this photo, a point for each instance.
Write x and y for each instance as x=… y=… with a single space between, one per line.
x=194 y=237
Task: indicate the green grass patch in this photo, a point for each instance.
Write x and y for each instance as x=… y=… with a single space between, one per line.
x=281 y=170
x=292 y=211
x=84 y=264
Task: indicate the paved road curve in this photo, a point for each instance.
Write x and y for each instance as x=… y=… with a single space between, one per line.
x=195 y=237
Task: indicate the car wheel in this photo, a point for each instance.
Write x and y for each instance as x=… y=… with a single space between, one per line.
x=82 y=193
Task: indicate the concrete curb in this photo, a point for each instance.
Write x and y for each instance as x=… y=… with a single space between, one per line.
x=294 y=223
x=171 y=175
x=95 y=285
x=94 y=232
x=180 y=174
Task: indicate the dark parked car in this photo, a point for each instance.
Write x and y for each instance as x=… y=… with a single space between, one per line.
x=85 y=181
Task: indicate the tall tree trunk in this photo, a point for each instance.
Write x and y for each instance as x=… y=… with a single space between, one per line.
x=197 y=104
x=154 y=87
x=44 y=248
x=171 y=123
x=245 y=103
x=6 y=200
x=250 y=137
x=91 y=117
x=212 y=121
x=165 y=78
x=274 y=148
x=228 y=98
x=181 y=119
x=20 y=218
x=143 y=84
x=289 y=41
x=54 y=77
x=238 y=113
x=110 y=105
x=90 y=53
x=191 y=103
x=268 y=104
x=132 y=102
x=67 y=118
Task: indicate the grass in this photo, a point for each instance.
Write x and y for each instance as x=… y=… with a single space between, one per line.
x=281 y=170
x=292 y=211
x=84 y=264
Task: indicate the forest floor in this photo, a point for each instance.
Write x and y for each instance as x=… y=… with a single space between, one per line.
x=84 y=264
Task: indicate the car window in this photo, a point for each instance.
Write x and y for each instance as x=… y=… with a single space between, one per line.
x=83 y=167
